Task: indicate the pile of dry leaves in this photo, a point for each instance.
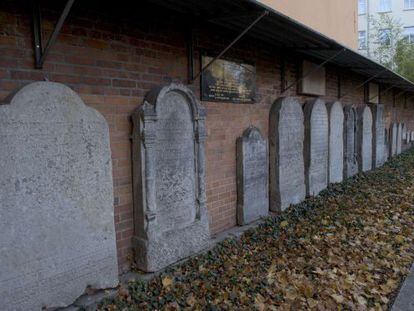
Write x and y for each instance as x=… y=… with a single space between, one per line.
x=347 y=249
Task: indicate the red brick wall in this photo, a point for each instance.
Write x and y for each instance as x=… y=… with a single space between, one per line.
x=111 y=65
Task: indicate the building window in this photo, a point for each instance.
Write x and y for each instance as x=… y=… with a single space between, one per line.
x=384 y=6
x=408 y=4
x=362 y=40
x=384 y=36
x=362 y=7
x=409 y=35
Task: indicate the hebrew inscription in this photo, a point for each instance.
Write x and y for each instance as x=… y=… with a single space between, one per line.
x=336 y=142
x=286 y=134
x=252 y=177
x=56 y=212
x=350 y=149
x=364 y=138
x=316 y=146
x=171 y=220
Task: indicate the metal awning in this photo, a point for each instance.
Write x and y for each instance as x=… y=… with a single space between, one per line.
x=284 y=33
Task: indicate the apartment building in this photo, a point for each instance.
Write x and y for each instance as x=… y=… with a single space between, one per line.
x=401 y=10
x=336 y=19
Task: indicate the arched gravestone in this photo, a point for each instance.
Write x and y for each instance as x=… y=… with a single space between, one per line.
x=364 y=139
x=399 y=138
x=316 y=146
x=350 y=149
x=286 y=133
x=252 y=177
x=378 y=135
x=171 y=219
x=393 y=139
x=336 y=142
x=57 y=233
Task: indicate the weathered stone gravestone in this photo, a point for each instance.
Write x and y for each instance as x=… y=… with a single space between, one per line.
x=171 y=219
x=399 y=138
x=252 y=177
x=56 y=214
x=386 y=144
x=412 y=136
x=350 y=149
x=316 y=146
x=404 y=133
x=393 y=139
x=364 y=138
x=378 y=135
x=287 y=173
x=336 y=142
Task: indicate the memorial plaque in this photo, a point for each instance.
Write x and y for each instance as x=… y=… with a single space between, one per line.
x=228 y=81
x=287 y=173
x=378 y=135
x=364 y=138
x=399 y=138
x=336 y=142
x=350 y=149
x=316 y=146
x=252 y=177
x=56 y=212
x=393 y=139
x=171 y=220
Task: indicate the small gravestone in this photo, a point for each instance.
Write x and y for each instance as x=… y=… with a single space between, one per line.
x=316 y=146
x=56 y=212
x=399 y=138
x=412 y=136
x=393 y=139
x=171 y=219
x=350 y=158
x=378 y=135
x=286 y=133
x=364 y=138
x=386 y=144
x=336 y=142
x=252 y=177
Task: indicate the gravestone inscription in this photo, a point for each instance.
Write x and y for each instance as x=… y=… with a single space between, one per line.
x=316 y=146
x=350 y=158
x=393 y=139
x=171 y=220
x=336 y=142
x=378 y=135
x=252 y=177
x=56 y=212
x=364 y=138
x=286 y=134
x=399 y=138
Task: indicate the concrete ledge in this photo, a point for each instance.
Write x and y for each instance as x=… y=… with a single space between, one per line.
x=405 y=298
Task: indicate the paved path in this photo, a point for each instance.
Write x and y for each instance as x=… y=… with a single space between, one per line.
x=405 y=299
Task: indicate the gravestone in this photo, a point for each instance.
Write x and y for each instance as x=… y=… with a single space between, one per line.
x=252 y=177
x=399 y=138
x=336 y=142
x=171 y=220
x=393 y=139
x=286 y=133
x=378 y=135
x=412 y=136
x=386 y=144
x=364 y=138
x=316 y=146
x=350 y=149
x=56 y=212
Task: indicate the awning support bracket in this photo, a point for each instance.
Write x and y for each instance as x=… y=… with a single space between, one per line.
x=228 y=47
x=40 y=53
